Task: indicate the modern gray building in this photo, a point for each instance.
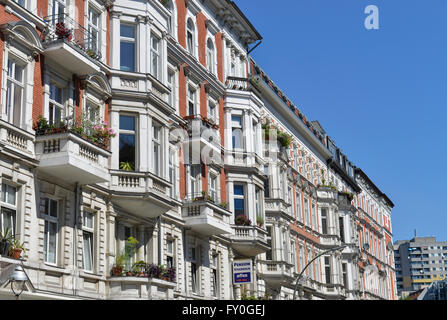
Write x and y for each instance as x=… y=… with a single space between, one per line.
x=419 y=262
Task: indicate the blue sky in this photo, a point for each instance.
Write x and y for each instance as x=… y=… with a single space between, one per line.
x=381 y=94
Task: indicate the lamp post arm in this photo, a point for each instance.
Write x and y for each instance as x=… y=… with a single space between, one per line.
x=309 y=263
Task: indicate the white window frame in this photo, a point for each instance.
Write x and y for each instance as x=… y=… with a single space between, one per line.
x=11 y=86
x=54 y=105
x=213 y=191
x=130 y=132
x=192 y=99
x=214 y=116
x=157 y=148
x=130 y=40
x=91 y=231
x=91 y=27
x=210 y=55
x=194 y=179
x=51 y=220
x=191 y=47
x=155 y=53
x=5 y=187
x=236 y=125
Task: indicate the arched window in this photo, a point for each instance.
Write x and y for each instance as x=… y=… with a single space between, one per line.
x=190 y=36
x=210 y=60
x=169 y=5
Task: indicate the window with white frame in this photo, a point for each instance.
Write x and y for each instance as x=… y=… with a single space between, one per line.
x=157 y=148
x=8 y=213
x=170 y=253
x=88 y=231
x=94 y=29
x=310 y=270
x=255 y=137
x=210 y=53
x=239 y=200
x=306 y=211
x=293 y=255
x=56 y=104
x=268 y=253
x=299 y=213
x=58 y=10
x=285 y=246
x=290 y=200
x=172 y=85
x=127 y=142
x=127 y=47
x=327 y=269
x=22 y=3
x=324 y=221
x=190 y=36
x=212 y=111
x=213 y=187
x=192 y=101
x=237 y=133
x=314 y=216
x=156 y=57
x=215 y=285
x=194 y=270
x=301 y=258
x=258 y=204
x=15 y=92
x=195 y=172
x=50 y=214
x=171 y=26
x=172 y=173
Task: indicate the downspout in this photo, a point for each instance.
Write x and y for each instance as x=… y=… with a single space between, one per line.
x=185 y=276
x=159 y=241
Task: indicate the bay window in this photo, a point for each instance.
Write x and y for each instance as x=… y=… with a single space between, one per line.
x=15 y=90
x=127 y=47
x=127 y=143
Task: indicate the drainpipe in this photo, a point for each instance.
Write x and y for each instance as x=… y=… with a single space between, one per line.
x=159 y=241
x=75 y=233
x=185 y=275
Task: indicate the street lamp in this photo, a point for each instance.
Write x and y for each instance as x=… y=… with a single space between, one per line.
x=18 y=279
x=309 y=263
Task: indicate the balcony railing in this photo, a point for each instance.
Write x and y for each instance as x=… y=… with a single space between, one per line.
x=17 y=138
x=62 y=28
x=237 y=83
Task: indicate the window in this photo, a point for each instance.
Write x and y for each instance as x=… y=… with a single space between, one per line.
x=290 y=200
x=172 y=86
x=194 y=271
x=239 y=200
x=192 y=110
x=127 y=143
x=56 y=106
x=212 y=112
x=324 y=221
x=15 y=92
x=155 y=57
x=92 y=112
x=309 y=259
x=58 y=9
x=210 y=56
x=87 y=234
x=170 y=7
x=298 y=207
x=268 y=253
x=127 y=47
x=172 y=173
x=258 y=208
x=170 y=256
x=345 y=274
x=157 y=147
x=213 y=188
x=190 y=36
x=194 y=180
x=8 y=211
x=21 y=3
x=306 y=212
x=327 y=269
x=50 y=215
x=237 y=132
x=255 y=137
x=215 y=285
x=342 y=229
x=314 y=216
x=292 y=254
x=93 y=29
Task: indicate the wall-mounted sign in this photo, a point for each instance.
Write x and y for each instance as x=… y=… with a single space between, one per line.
x=242 y=271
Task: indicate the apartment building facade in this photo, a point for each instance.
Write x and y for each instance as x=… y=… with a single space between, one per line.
x=419 y=262
x=146 y=120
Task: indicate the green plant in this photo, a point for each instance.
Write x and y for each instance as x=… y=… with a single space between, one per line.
x=17 y=245
x=7 y=235
x=126 y=166
x=242 y=220
x=283 y=138
x=260 y=221
x=224 y=205
x=323 y=181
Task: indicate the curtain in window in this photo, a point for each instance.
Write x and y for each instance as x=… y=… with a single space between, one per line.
x=88 y=251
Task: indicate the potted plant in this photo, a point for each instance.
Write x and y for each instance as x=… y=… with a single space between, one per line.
x=5 y=241
x=117 y=269
x=154 y=271
x=260 y=221
x=139 y=268
x=242 y=220
x=224 y=205
x=126 y=166
x=16 y=248
x=171 y=274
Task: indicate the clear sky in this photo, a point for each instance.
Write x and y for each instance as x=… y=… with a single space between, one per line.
x=381 y=94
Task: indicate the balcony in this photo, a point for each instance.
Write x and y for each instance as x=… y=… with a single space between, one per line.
x=329 y=240
x=207 y=218
x=16 y=141
x=141 y=193
x=202 y=132
x=249 y=241
x=136 y=288
x=71 y=158
x=279 y=208
x=71 y=45
x=276 y=273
